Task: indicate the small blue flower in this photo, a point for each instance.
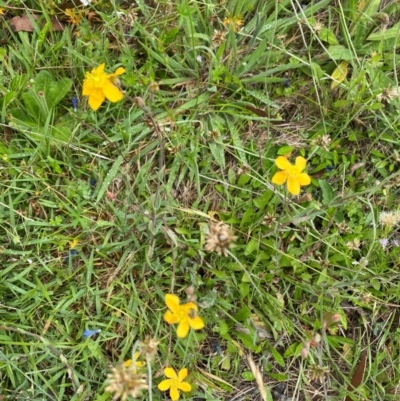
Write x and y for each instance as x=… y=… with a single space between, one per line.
x=92 y=182
x=71 y=253
x=89 y=333
x=74 y=102
x=395 y=242
x=329 y=168
x=384 y=242
x=216 y=347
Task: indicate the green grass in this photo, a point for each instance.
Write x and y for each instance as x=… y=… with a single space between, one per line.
x=134 y=189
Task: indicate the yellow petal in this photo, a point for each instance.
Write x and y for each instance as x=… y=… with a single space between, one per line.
x=138 y=364
x=99 y=70
x=300 y=163
x=196 y=323
x=170 y=373
x=128 y=363
x=183 y=329
x=119 y=71
x=304 y=179
x=293 y=185
x=172 y=301
x=182 y=374
x=185 y=387
x=174 y=393
x=164 y=385
x=189 y=306
x=87 y=89
x=282 y=163
x=96 y=99
x=171 y=318
x=112 y=93
x=280 y=177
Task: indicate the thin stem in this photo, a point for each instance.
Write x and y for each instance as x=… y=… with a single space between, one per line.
x=149 y=378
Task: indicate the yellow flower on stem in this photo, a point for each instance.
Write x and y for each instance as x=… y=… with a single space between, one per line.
x=292 y=174
x=138 y=364
x=98 y=86
x=174 y=383
x=185 y=315
x=234 y=22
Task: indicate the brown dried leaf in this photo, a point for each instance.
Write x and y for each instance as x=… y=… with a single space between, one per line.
x=358 y=376
x=257 y=111
x=92 y=16
x=57 y=26
x=23 y=23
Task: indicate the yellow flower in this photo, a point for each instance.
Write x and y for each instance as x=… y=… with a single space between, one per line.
x=98 y=86
x=185 y=315
x=2 y=10
x=174 y=383
x=73 y=243
x=292 y=174
x=138 y=364
x=234 y=22
x=74 y=17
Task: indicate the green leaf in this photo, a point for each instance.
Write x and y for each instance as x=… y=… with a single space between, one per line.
x=223 y=327
x=294 y=349
x=226 y=363
x=339 y=52
x=327 y=192
x=248 y=376
x=263 y=200
x=391 y=33
x=263 y=98
x=327 y=35
x=376 y=284
x=317 y=70
x=218 y=151
x=35 y=106
x=278 y=376
x=243 y=180
x=110 y=176
x=252 y=59
x=248 y=341
x=277 y=356
x=284 y=150
x=53 y=91
x=248 y=217
x=244 y=288
x=54 y=165
x=58 y=91
x=251 y=246
x=243 y=314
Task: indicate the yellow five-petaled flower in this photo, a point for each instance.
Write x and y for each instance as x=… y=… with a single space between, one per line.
x=174 y=383
x=138 y=364
x=185 y=315
x=98 y=86
x=292 y=174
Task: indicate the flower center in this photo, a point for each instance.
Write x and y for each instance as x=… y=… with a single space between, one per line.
x=182 y=315
x=175 y=383
x=95 y=81
x=293 y=171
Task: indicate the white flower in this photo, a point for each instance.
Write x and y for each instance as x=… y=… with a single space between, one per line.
x=86 y=2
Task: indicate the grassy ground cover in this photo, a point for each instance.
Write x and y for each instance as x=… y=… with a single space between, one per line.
x=199 y=200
